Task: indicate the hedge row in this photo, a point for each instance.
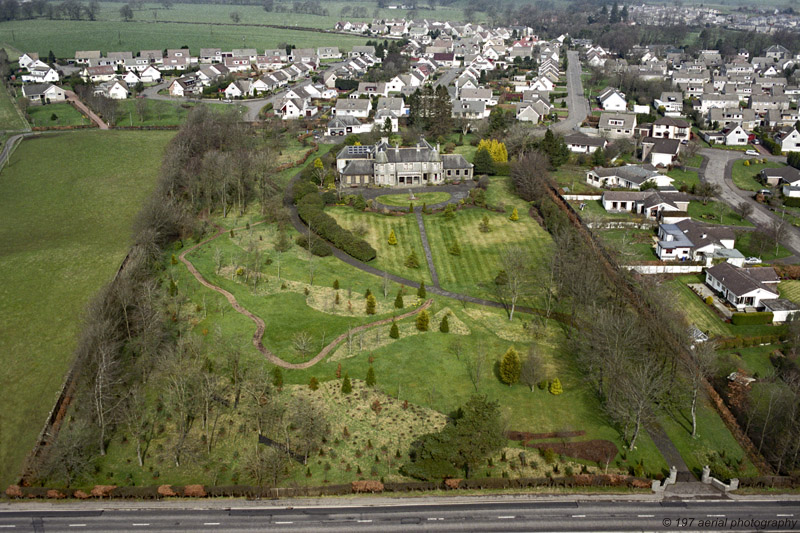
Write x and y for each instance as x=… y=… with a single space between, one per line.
x=792 y=202
x=752 y=319
x=248 y=491
x=746 y=342
x=310 y=210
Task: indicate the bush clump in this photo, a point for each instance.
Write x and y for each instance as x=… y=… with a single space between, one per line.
x=310 y=210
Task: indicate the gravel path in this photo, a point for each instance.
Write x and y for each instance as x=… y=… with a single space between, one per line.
x=261 y=325
x=427 y=247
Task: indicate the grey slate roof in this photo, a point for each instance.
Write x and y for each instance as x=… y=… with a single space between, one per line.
x=358 y=167
x=741 y=281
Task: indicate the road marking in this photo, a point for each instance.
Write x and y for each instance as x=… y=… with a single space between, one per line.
x=505 y=517
x=645 y=515
x=579 y=516
x=140 y=525
x=789 y=515
x=77 y=525
x=715 y=515
x=210 y=523
x=4 y=525
x=364 y=521
x=284 y=522
x=443 y=518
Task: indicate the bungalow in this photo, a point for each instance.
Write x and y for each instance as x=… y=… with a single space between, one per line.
x=269 y=63
x=672 y=102
x=116 y=90
x=627 y=177
x=370 y=89
x=303 y=55
x=131 y=78
x=238 y=89
x=340 y=126
x=783 y=175
x=782 y=309
x=743 y=287
x=237 y=64
x=27 y=60
x=469 y=110
x=610 y=99
x=665 y=207
x=329 y=52
x=688 y=240
x=526 y=112
x=789 y=139
x=294 y=108
x=43 y=93
x=155 y=57
x=580 y=143
x=83 y=57
x=617 y=124
x=660 y=152
x=176 y=62
x=353 y=107
x=395 y=105
x=185 y=86
x=358 y=50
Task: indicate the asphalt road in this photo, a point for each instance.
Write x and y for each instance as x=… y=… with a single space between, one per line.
x=515 y=515
x=577 y=103
x=718 y=171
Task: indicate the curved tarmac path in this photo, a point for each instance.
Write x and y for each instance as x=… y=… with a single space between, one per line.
x=261 y=325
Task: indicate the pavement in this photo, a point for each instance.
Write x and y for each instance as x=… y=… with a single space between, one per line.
x=718 y=167
x=477 y=514
x=577 y=103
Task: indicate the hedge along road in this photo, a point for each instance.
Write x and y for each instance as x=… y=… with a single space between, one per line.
x=261 y=325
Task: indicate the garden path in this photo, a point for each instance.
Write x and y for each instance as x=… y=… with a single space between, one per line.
x=427 y=247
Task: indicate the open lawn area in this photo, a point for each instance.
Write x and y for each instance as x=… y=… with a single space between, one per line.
x=428 y=198
x=573 y=177
x=687 y=178
x=68 y=201
x=10 y=118
x=61 y=114
x=715 y=212
x=753 y=360
x=753 y=244
x=143 y=112
x=746 y=177
x=376 y=228
x=631 y=245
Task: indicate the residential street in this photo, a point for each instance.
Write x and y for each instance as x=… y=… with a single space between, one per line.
x=718 y=168
x=578 y=105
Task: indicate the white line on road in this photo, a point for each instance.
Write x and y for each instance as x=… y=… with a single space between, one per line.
x=443 y=518
x=789 y=515
x=364 y=521
x=715 y=515
x=210 y=523
x=77 y=525
x=579 y=516
x=284 y=522
x=645 y=515
x=5 y=525
x=505 y=517
x=140 y=525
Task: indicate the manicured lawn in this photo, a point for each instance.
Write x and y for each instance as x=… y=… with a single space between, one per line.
x=711 y=212
x=378 y=227
x=473 y=270
x=68 y=201
x=754 y=245
x=428 y=198
x=65 y=115
x=10 y=118
x=754 y=360
x=695 y=161
x=790 y=289
x=747 y=177
x=689 y=178
x=573 y=177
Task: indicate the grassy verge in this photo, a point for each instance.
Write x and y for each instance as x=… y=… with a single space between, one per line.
x=10 y=118
x=688 y=178
x=66 y=219
x=747 y=177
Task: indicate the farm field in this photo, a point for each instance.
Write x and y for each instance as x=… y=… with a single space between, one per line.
x=10 y=118
x=63 y=37
x=66 y=222
x=745 y=177
x=378 y=227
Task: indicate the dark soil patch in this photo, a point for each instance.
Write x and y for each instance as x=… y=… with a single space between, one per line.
x=525 y=436
x=599 y=451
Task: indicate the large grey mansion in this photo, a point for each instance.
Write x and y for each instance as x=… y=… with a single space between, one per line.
x=392 y=166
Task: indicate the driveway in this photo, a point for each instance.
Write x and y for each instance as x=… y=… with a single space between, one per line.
x=83 y=108
x=718 y=168
x=576 y=100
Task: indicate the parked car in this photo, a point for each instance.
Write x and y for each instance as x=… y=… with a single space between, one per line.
x=752 y=261
x=765 y=192
x=752 y=152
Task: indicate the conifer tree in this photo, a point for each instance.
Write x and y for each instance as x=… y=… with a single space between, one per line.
x=514 y=215
x=423 y=320
x=510 y=367
x=371 y=305
x=555 y=387
x=392 y=238
x=412 y=261
x=444 y=326
x=347 y=387
x=313 y=384
x=336 y=284
x=370 y=377
x=394 y=333
x=421 y=292
x=398 y=301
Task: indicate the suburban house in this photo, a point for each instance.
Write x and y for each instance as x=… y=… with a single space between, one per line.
x=474 y=110
x=150 y=75
x=345 y=125
x=610 y=99
x=353 y=107
x=185 y=86
x=789 y=139
x=660 y=152
x=43 y=93
x=672 y=102
x=380 y=121
x=617 y=124
x=238 y=89
x=44 y=74
x=665 y=207
x=98 y=74
x=688 y=240
x=294 y=108
x=383 y=164
x=743 y=287
x=210 y=55
x=627 y=177
x=671 y=128
x=329 y=52
x=478 y=95
x=783 y=175
x=116 y=90
x=580 y=143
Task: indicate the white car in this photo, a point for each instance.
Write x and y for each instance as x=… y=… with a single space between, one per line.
x=752 y=152
x=752 y=261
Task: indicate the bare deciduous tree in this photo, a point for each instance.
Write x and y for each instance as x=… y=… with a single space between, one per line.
x=699 y=365
x=531 y=371
x=515 y=281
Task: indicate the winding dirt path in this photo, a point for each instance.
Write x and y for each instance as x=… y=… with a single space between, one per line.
x=261 y=325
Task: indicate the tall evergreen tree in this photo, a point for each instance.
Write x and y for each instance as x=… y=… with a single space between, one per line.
x=398 y=301
x=370 y=377
x=421 y=292
x=347 y=387
x=510 y=367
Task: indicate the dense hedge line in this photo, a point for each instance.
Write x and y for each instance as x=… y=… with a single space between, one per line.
x=310 y=206
x=746 y=342
x=752 y=319
x=792 y=202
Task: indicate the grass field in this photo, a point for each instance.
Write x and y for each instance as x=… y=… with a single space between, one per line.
x=428 y=198
x=689 y=178
x=711 y=212
x=390 y=258
x=746 y=177
x=158 y=112
x=10 y=118
x=754 y=245
x=63 y=37
x=632 y=245
x=65 y=115
x=67 y=205
x=790 y=289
